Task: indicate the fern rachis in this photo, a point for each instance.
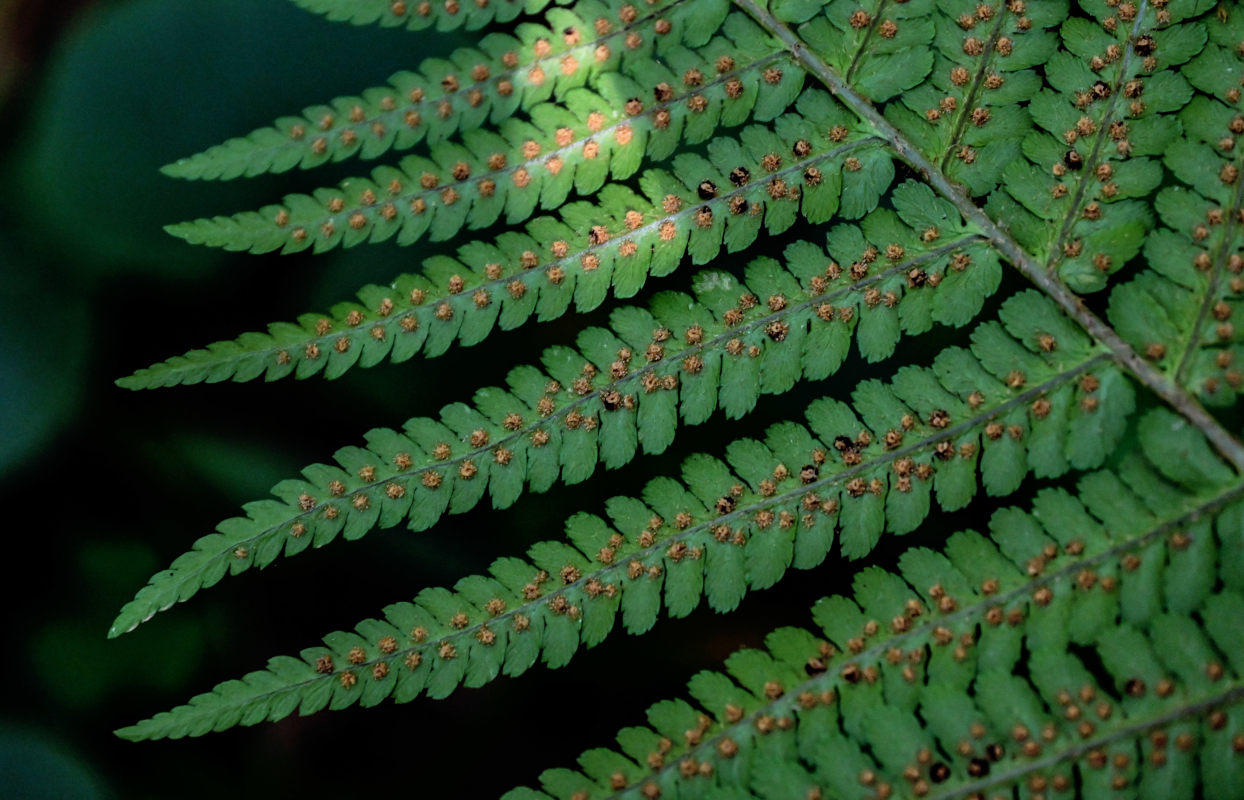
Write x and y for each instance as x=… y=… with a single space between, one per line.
x=955 y=139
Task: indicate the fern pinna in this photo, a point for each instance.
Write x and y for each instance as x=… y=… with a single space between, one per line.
x=1090 y=643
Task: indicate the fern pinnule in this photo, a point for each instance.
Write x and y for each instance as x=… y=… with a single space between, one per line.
x=618 y=241
x=452 y=14
x=1067 y=651
x=460 y=187
x=508 y=74
x=1180 y=311
x=421 y=14
x=722 y=530
x=1066 y=641
x=966 y=117
x=362 y=209
x=923 y=244
x=1106 y=116
x=681 y=360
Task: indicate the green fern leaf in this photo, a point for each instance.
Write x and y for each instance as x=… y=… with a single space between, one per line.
x=1095 y=152
x=923 y=244
x=438 y=197
x=1178 y=312
x=1064 y=642
x=420 y=15
x=724 y=528
x=585 y=44
x=683 y=359
x=1090 y=644
x=621 y=246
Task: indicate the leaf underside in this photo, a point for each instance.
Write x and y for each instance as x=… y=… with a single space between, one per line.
x=904 y=155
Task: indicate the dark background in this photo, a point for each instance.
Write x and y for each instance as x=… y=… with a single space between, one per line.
x=100 y=487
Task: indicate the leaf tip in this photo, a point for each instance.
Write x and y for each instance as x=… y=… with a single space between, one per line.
x=130 y=733
x=178 y=169
x=179 y=229
x=129 y=382
x=123 y=624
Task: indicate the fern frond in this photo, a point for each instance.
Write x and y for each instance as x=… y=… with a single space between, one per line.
x=1064 y=650
x=459 y=185
x=924 y=244
x=680 y=361
x=966 y=117
x=421 y=14
x=884 y=48
x=506 y=73
x=620 y=242
x=1180 y=311
x=725 y=529
x=1000 y=233
x=462 y=187
x=1107 y=112
x=1091 y=644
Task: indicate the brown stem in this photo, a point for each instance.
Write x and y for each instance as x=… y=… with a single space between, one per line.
x=1129 y=359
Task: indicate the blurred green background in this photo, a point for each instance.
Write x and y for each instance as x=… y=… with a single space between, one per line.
x=103 y=486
